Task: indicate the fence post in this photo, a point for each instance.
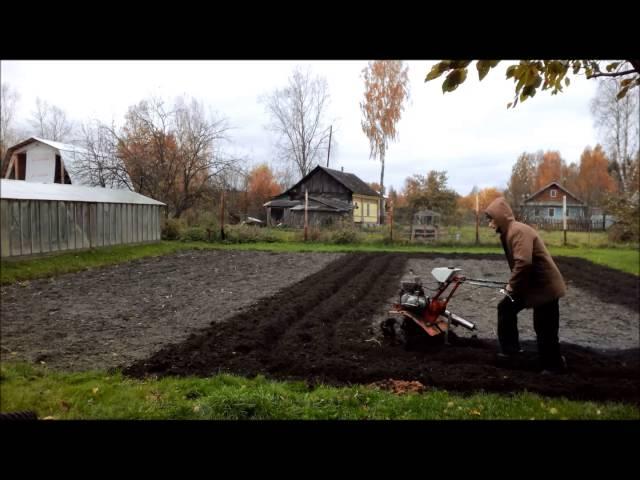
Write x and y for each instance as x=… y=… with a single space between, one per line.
x=564 y=218
x=391 y=220
x=477 y=221
x=222 y=236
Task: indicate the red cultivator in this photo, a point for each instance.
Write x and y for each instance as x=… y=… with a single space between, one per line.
x=430 y=314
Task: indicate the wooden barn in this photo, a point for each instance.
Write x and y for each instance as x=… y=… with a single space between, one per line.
x=38 y=218
x=334 y=196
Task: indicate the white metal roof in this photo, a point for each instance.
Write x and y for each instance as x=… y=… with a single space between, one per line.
x=21 y=190
x=60 y=146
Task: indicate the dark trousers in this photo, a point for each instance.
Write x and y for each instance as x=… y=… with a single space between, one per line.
x=546 y=322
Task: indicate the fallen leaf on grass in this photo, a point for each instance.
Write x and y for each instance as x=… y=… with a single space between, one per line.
x=399 y=387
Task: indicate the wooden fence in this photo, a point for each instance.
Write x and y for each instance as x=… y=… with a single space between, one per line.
x=573 y=225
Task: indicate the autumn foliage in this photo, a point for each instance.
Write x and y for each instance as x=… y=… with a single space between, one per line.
x=172 y=152
x=549 y=170
x=594 y=180
x=590 y=180
x=386 y=87
x=261 y=186
x=485 y=197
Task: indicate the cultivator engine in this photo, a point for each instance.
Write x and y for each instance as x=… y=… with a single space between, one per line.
x=430 y=314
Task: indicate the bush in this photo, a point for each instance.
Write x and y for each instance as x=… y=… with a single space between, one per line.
x=248 y=234
x=622 y=232
x=172 y=229
x=344 y=236
x=194 y=234
x=314 y=234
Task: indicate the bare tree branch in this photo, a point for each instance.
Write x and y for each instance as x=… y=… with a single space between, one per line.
x=50 y=122
x=297 y=117
x=8 y=100
x=612 y=74
x=618 y=123
x=173 y=153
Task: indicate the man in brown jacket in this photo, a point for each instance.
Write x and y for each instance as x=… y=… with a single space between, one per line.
x=535 y=283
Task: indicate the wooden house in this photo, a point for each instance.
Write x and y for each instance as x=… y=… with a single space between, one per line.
x=333 y=196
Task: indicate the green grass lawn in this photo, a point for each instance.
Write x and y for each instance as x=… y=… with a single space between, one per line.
x=12 y=270
x=97 y=395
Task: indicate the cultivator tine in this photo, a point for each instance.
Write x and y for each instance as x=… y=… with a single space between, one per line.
x=432 y=330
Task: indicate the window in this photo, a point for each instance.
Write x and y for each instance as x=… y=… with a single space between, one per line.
x=551 y=212
x=536 y=212
x=553 y=193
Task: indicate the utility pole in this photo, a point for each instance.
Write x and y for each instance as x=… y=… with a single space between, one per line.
x=477 y=220
x=329 y=151
x=306 y=206
x=222 y=214
x=391 y=220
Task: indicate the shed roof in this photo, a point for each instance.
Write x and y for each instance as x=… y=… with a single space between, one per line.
x=281 y=203
x=21 y=190
x=324 y=205
x=332 y=203
x=427 y=213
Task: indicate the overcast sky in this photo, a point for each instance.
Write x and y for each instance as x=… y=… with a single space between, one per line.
x=469 y=133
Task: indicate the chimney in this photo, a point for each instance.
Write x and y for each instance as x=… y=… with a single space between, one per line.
x=342 y=169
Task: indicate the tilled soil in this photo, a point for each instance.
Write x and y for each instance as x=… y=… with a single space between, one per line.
x=115 y=315
x=321 y=330
x=315 y=317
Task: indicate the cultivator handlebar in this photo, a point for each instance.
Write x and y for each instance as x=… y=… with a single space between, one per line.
x=489 y=284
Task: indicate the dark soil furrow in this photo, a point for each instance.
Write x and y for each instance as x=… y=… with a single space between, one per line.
x=345 y=315
x=308 y=301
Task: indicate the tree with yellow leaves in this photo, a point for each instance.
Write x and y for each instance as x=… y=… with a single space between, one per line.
x=386 y=89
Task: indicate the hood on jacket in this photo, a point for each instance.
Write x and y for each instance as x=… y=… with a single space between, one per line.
x=501 y=213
